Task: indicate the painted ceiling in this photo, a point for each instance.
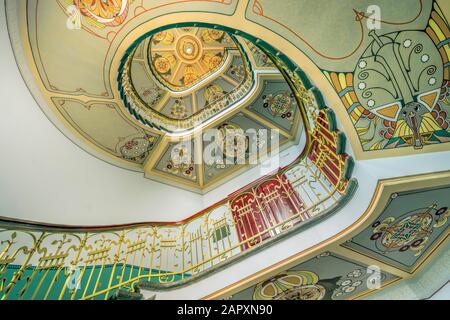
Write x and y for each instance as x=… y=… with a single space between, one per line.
x=183 y=57
x=125 y=84
x=135 y=83
x=315 y=280
x=177 y=79
x=387 y=62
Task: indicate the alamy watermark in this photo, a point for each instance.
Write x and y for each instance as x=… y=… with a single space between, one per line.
x=73 y=21
x=373 y=17
x=229 y=145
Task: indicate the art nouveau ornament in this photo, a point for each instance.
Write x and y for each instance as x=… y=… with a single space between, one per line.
x=398 y=79
x=198 y=52
x=110 y=13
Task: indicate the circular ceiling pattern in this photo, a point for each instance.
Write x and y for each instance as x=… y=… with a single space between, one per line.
x=183 y=81
x=196 y=74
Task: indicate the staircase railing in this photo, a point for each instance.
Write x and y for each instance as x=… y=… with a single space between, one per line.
x=57 y=262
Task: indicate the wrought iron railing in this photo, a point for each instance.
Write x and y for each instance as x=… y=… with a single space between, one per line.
x=56 y=262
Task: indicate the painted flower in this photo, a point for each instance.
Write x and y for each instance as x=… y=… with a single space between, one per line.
x=105 y=12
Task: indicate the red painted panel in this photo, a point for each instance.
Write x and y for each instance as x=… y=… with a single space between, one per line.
x=257 y=212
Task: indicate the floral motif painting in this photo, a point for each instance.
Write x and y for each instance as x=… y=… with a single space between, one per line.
x=327 y=276
x=407 y=229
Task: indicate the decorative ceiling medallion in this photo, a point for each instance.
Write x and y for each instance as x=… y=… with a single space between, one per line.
x=179 y=110
x=280 y=104
x=164 y=37
x=197 y=52
x=189 y=48
x=213 y=92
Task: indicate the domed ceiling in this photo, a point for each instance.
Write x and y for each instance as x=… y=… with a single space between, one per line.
x=180 y=58
x=183 y=81
x=177 y=79
x=143 y=98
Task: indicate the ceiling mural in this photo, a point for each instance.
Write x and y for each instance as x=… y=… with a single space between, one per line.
x=38 y=260
x=183 y=57
x=397 y=95
x=344 y=36
x=165 y=88
x=178 y=160
x=100 y=16
x=409 y=226
x=115 y=135
x=104 y=13
x=327 y=276
x=223 y=88
x=139 y=84
x=227 y=155
x=276 y=104
x=261 y=60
